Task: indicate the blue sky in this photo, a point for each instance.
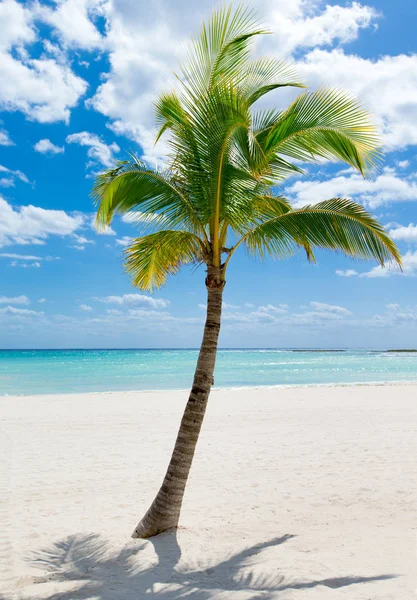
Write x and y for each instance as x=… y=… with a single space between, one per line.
x=78 y=78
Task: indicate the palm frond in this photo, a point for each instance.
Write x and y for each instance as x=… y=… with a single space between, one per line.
x=326 y=124
x=132 y=186
x=266 y=74
x=151 y=258
x=222 y=49
x=336 y=224
x=169 y=113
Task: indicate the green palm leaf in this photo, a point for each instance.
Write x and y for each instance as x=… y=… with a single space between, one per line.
x=151 y=258
x=326 y=124
x=132 y=187
x=336 y=224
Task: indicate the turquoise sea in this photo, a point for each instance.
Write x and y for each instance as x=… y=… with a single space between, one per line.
x=69 y=371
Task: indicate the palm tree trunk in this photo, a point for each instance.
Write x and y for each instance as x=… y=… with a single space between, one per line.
x=165 y=510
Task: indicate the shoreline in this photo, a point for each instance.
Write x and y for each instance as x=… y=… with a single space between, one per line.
x=284 y=386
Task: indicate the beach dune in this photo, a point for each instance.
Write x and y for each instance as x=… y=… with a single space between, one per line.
x=298 y=493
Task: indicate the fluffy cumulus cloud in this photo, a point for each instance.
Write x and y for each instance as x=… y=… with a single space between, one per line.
x=134 y=300
x=409 y=268
x=404 y=233
x=84 y=13
x=45 y=146
x=383 y=189
x=296 y=26
x=44 y=87
x=33 y=225
x=386 y=86
x=99 y=153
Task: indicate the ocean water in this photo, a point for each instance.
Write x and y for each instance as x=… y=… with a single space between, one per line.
x=70 y=371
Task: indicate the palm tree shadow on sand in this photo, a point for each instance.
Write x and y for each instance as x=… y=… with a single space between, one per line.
x=99 y=574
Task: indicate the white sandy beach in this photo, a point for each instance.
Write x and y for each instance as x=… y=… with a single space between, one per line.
x=303 y=493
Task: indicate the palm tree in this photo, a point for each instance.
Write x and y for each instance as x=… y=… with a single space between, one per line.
x=218 y=192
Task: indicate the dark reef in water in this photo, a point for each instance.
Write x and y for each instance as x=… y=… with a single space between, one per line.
x=402 y=350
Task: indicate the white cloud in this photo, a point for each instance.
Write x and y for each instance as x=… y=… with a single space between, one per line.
x=329 y=308
x=270 y=308
x=134 y=299
x=386 y=86
x=98 y=151
x=5 y=138
x=81 y=241
x=85 y=307
x=20 y=312
x=106 y=231
x=403 y=164
x=9 y=180
x=347 y=273
x=43 y=89
x=114 y=311
x=150 y=315
x=42 y=300
x=19 y=256
x=33 y=225
x=66 y=13
x=404 y=233
x=296 y=30
x=17 y=28
x=409 y=268
x=45 y=146
x=233 y=306
x=22 y=265
x=124 y=241
x=384 y=189
x=320 y=315
x=15 y=300
x=395 y=315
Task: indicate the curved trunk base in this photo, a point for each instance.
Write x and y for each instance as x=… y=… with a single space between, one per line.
x=146 y=530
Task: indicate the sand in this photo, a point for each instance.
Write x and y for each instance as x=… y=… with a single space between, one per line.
x=302 y=493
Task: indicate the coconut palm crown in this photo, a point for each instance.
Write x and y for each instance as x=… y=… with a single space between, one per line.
x=218 y=191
